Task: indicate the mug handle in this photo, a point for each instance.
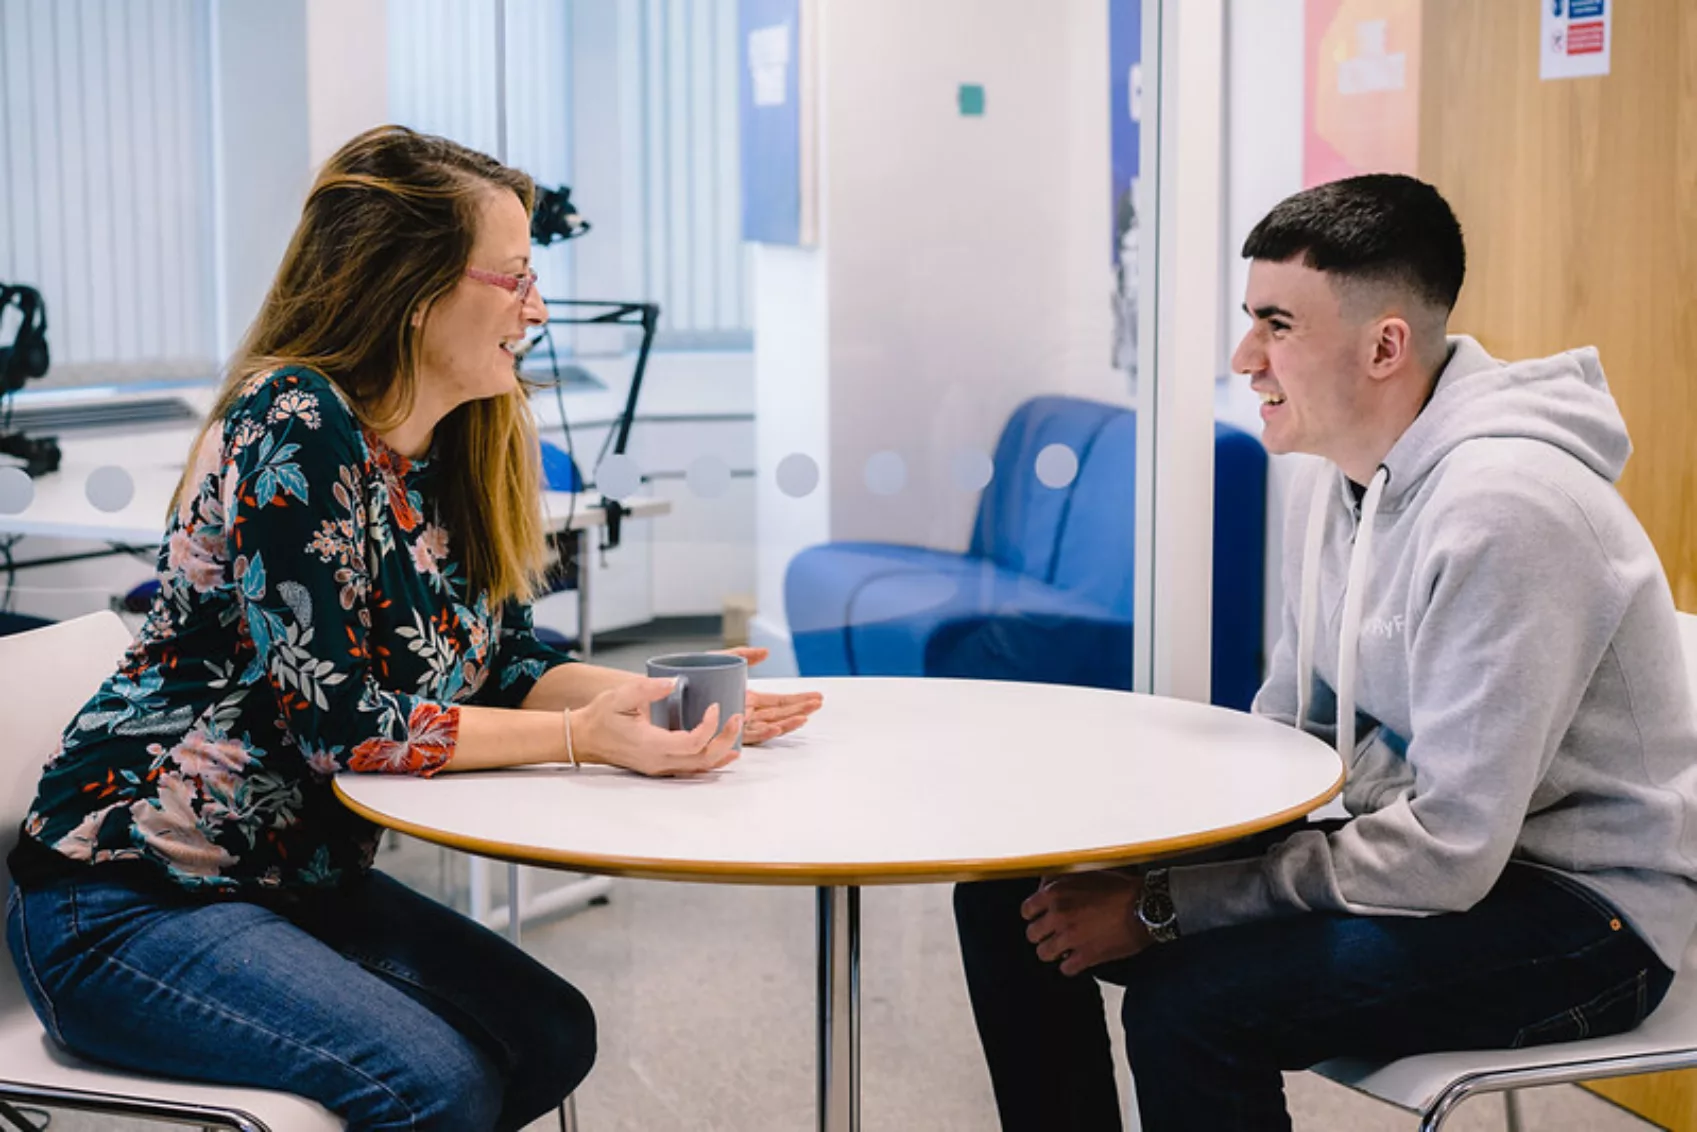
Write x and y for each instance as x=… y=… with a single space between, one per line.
x=675 y=704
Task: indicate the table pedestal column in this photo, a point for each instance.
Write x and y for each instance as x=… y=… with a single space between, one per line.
x=585 y=568
x=839 y=1008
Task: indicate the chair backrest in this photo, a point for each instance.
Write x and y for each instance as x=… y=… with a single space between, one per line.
x=559 y=470
x=1096 y=543
x=47 y=675
x=1020 y=521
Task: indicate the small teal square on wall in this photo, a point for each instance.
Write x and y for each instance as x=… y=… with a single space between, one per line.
x=971 y=99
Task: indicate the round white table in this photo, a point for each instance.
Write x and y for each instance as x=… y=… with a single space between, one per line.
x=895 y=781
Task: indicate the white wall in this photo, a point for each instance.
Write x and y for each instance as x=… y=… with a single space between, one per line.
x=792 y=388
x=261 y=150
x=963 y=267
x=347 y=72
x=968 y=258
x=1264 y=43
x=293 y=80
x=261 y=147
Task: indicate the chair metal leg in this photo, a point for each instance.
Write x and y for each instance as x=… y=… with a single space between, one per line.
x=15 y=1118
x=568 y=1114
x=1433 y=1119
x=1511 y=1104
x=17 y=1105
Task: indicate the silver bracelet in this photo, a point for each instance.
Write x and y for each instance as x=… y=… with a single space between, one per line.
x=571 y=755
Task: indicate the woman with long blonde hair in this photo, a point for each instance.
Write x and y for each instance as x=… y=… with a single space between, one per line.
x=345 y=585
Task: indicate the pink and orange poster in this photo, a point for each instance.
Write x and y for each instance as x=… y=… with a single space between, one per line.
x=1361 y=111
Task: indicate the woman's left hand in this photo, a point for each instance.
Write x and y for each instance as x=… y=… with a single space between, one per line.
x=770 y=715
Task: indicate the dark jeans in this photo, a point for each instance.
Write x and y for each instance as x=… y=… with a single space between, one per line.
x=1211 y=1020
x=382 y=1005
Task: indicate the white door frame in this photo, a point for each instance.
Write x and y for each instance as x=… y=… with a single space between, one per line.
x=1184 y=83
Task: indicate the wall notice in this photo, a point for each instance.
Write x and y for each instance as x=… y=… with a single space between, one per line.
x=1574 y=38
x=778 y=168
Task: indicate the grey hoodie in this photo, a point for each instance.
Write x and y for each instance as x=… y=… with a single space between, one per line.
x=1511 y=647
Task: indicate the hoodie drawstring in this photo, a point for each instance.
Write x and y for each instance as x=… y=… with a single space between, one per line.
x=1310 y=593
x=1349 y=635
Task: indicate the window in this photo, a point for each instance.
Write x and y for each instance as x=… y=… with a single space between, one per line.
x=106 y=198
x=631 y=102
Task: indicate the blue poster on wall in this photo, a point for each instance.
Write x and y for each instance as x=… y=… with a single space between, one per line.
x=770 y=54
x=1125 y=56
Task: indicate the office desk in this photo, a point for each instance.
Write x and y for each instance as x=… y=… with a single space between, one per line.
x=895 y=781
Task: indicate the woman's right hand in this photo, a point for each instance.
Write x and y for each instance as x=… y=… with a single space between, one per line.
x=614 y=728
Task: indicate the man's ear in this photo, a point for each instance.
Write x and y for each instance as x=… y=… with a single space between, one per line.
x=1392 y=347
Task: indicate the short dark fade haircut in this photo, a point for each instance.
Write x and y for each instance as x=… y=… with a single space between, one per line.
x=1380 y=227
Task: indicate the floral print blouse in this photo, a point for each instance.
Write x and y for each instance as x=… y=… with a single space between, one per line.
x=311 y=619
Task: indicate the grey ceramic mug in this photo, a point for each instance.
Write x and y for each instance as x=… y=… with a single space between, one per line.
x=703 y=679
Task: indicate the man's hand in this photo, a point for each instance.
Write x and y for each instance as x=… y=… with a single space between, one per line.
x=1083 y=919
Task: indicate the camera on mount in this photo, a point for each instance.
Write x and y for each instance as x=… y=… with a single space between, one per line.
x=22 y=357
x=555 y=217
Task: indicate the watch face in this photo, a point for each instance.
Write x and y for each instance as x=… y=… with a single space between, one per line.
x=1158 y=914
x=1156 y=909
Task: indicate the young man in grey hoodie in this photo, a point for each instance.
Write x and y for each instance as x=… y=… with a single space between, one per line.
x=1478 y=621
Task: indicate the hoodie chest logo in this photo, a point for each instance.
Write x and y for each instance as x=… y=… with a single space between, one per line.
x=1384 y=628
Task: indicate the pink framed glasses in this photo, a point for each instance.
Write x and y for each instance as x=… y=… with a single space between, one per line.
x=519 y=285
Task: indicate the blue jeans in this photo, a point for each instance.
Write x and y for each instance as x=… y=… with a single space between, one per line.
x=382 y=1005
x=1211 y=1020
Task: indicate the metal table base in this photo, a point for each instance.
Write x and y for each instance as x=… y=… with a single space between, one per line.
x=839 y=1008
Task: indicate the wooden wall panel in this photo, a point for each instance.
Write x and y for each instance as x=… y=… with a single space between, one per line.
x=1578 y=198
x=1579 y=201
x=1667 y=1100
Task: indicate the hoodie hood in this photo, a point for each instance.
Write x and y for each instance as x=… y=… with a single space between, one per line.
x=1562 y=400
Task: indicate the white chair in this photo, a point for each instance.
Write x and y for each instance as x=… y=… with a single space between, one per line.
x=1434 y=1084
x=46 y=675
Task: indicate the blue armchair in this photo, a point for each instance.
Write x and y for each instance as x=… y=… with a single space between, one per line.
x=1044 y=593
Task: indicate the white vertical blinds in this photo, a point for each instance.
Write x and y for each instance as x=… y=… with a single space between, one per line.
x=441 y=68
x=106 y=158
x=696 y=261
x=688 y=222
x=442 y=81
x=106 y=181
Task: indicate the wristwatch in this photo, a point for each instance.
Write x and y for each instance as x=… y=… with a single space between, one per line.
x=1155 y=907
